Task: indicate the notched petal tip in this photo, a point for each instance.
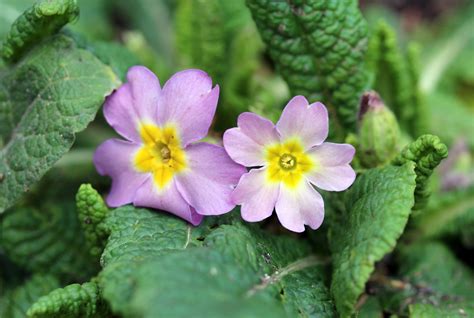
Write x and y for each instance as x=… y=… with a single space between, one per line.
x=308 y=122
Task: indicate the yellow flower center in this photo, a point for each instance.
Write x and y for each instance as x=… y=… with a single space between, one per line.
x=161 y=153
x=287 y=163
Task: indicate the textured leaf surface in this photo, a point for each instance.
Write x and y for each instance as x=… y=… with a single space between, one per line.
x=72 y=301
x=136 y=235
x=92 y=211
x=396 y=78
x=44 y=18
x=54 y=92
x=21 y=298
x=286 y=270
x=376 y=211
x=319 y=48
x=145 y=260
x=205 y=283
x=47 y=240
x=426 y=152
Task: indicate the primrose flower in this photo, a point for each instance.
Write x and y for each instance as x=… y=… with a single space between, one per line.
x=159 y=165
x=289 y=158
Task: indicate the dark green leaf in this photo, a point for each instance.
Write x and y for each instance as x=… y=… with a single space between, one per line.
x=54 y=92
x=47 y=240
x=319 y=48
x=17 y=302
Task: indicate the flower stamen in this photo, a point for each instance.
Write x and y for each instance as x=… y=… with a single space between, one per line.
x=165 y=153
x=287 y=162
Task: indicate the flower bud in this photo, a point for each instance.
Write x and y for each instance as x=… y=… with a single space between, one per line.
x=379 y=134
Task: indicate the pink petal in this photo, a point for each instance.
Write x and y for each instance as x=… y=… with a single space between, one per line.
x=133 y=102
x=308 y=122
x=297 y=207
x=210 y=180
x=332 y=172
x=256 y=197
x=246 y=143
x=189 y=101
x=168 y=199
x=114 y=158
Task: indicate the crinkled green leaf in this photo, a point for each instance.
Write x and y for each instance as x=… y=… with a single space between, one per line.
x=92 y=211
x=396 y=78
x=319 y=48
x=202 y=283
x=426 y=152
x=136 y=235
x=282 y=263
x=44 y=18
x=17 y=302
x=47 y=240
x=145 y=246
x=54 y=92
x=71 y=301
x=456 y=310
x=376 y=211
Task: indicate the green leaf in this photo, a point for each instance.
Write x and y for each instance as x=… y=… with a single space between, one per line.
x=376 y=211
x=433 y=266
x=72 y=301
x=54 y=92
x=220 y=38
x=426 y=152
x=136 y=235
x=47 y=240
x=21 y=298
x=319 y=49
x=456 y=310
x=447 y=215
x=146 y=246
x=46 y=17
x=396 y=78
x=92 y=211
x=204 y=283
x=286 y=266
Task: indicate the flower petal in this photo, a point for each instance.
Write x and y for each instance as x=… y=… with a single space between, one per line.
x=210 y=180
x=256 y=196
x=168 y=199
x=300 y=206
x=308 y=122
x=332 y=172
x=246 y=143
x=133 y=102
x=189 y=101
x=114 y=158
